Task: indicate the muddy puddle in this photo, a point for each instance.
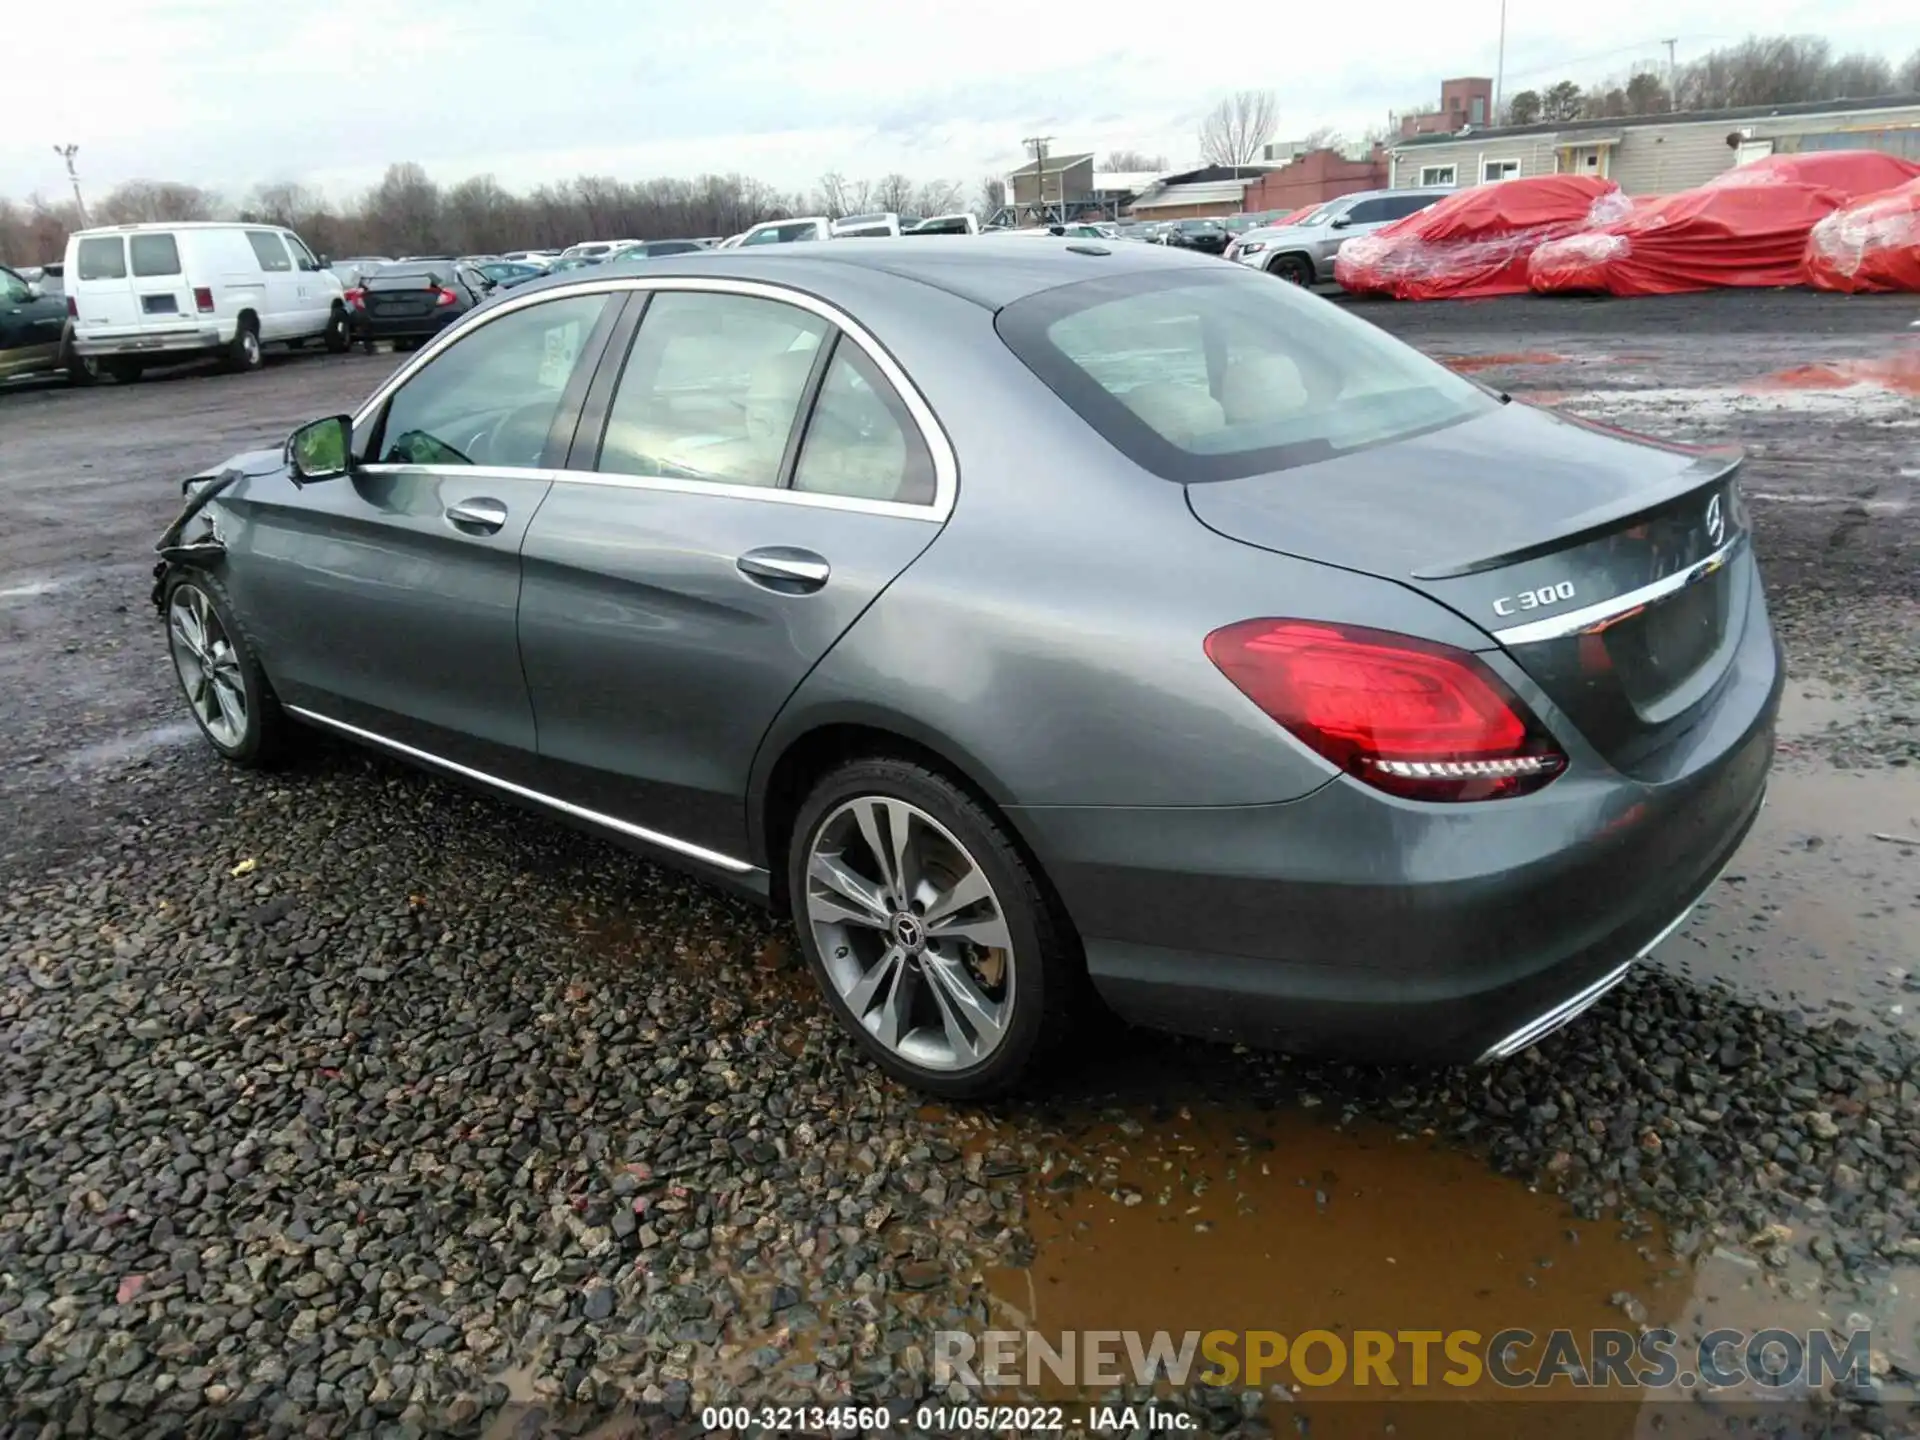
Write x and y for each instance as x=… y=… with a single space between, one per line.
x=1820 y=911
x=1201 y=1218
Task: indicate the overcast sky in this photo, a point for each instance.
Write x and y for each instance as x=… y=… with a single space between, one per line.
x=230 y=93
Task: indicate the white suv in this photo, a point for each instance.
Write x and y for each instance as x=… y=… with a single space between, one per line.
x=138 y=294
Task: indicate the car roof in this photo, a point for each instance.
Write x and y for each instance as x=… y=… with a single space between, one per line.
x=989 y=270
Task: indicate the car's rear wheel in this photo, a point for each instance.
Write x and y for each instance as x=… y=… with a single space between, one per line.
x=219 y=673
x=1293 y=269
x=243 y=351
x=928 y=931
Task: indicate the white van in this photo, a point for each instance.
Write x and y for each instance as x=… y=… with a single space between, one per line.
x=138 y=294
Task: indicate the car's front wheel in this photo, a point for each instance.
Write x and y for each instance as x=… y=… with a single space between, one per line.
x=338 y=338
x=928 y=931
x=220 y=675
x=1294 y=269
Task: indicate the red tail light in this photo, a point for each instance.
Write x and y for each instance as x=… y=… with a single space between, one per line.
x=73 y=308
x=203 y=299
x=447 y=297
x=354 y=297
x=1411 y=717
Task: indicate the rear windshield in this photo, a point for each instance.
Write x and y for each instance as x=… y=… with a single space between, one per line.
x=414 y=271
x=1202 y=376
x=154 y=255
x=103 y=258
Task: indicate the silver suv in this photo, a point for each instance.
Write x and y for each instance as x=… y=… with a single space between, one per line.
x=1303 y=251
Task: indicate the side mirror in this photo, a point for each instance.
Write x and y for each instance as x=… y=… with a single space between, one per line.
x=1340 y=222
x=321 y=450
x=325 y=262
x=34 y=292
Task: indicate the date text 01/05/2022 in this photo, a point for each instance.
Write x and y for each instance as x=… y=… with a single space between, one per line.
x=944 y=1419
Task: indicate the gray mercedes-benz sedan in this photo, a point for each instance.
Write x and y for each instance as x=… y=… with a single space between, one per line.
x=1031 y=621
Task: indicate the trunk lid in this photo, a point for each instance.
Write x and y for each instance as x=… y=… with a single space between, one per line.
x=401 y=297
x=1599 y=561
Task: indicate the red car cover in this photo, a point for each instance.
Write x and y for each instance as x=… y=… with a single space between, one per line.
x=1475 y=242
x=1722 y=234
x=1851 y=172
x=1870 y=244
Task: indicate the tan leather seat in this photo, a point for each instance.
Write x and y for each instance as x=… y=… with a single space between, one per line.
x=1179 y=413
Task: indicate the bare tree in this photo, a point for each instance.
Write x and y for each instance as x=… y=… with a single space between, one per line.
x=937 y=197
x=1132 y=161
x=993 y=196
x=139 y=201
x=1321 y=137
x=893 y=193
x=1561 y=102
x=1647 y=94
x=405 y=209
x=837 y=197
x=479 y=216
x=1909 y=77
x=1858 y=76
x=1235 y=129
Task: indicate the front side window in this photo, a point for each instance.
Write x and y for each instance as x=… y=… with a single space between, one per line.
x=492 y=396
x=711 y=388
x=12 y=286
x=1368 y=212
x=1218 y=376
x=302 y=257
x=268 y=250
x=104 y=257
x=154 y=255
x=860 y=441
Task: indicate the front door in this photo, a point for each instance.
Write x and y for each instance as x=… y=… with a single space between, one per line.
x=760 y=482
x=390 y=594
x=280 y=317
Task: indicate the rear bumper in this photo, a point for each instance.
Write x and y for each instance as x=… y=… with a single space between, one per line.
x=374 y=327
x=1351 y=923
x=175 y=340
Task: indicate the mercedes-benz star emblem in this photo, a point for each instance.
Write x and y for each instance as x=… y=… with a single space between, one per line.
x=908 y=932
x=1716 y=522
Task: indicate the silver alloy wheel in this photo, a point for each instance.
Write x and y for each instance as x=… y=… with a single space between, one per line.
x=250 y=346
x=911 y=933
x=209 y=668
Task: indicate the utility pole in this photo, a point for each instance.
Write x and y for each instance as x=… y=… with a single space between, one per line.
x=1038 y=144
x=1499 y=66
x=66 y=153
x=1673 y=76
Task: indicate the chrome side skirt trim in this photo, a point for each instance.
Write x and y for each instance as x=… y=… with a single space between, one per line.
x=565 y=807
x=1590 y=619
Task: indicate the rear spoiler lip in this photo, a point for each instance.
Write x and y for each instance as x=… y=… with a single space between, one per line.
x=1709 y=467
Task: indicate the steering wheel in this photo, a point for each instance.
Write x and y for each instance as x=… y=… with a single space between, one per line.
x=497 y=444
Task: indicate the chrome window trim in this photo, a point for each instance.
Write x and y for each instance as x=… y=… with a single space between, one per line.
x=946 y=466
x=1590 y=619
x=565 y=807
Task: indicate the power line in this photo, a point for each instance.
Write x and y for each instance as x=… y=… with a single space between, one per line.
x=1564 y=65
x=66 y=153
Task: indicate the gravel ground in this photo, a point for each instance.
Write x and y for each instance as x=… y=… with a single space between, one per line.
x=343 y=1102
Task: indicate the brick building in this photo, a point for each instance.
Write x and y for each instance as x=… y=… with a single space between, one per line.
x=1466 y=100
x=1316 y=177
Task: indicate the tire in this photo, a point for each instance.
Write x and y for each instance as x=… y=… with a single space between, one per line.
x=243 y=351
x=221 y=654
x=912 y=977
x=337 y=338
x=1293 y=269
x=123 y=372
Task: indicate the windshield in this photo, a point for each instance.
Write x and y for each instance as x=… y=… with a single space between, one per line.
x=1204 y=377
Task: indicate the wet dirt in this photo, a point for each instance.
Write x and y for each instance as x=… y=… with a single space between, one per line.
x=1470 y=364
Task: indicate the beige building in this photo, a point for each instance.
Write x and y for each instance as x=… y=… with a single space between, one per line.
x=1657 y=154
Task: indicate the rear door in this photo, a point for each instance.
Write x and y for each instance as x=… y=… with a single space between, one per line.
x=741 y=490
x=29 y=327
x=159 y=280
x=281 y=316
x=101 y=287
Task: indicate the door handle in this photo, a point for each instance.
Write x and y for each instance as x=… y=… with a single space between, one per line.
x=783 y=568
x=477 y=517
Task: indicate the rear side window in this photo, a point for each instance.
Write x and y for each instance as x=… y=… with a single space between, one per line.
x=104 y=257
x=861 y=442
x=154 y=254
x=711 y=388
x=267 y=248
x=1202 y=376
x=1402 y=206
